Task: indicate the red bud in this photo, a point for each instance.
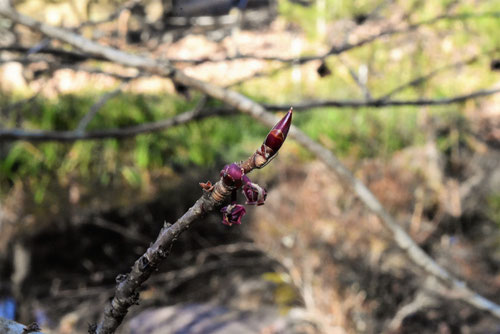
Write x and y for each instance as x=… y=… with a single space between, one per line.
x=232 y=174
x=278 y=133
x=274 y=140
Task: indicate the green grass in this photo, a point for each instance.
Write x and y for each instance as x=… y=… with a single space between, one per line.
x=111 y=161
x=206 y=143
x=356 y=133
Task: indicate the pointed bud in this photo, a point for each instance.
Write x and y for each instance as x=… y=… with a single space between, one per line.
x=274 y=140
x=255 y=194
x=232 y=214
x=232 y=174
x=278 y=134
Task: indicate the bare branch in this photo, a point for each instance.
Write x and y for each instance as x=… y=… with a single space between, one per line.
x=98 y=54
x=421 y=79
x=423 y=299
x=175 y=278
x=380 y=103
x=359 y=81
x=459 y=289
x=84 y=122
x=126 y=293
x=113 y=16
x=119 y=229
x=91 y=70
x=186 y=117
x=70 y=136
x=53 y=66
x=66 y=55
x=84 y=44
x=336 y=50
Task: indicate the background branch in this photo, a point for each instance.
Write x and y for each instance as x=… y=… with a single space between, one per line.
x=334 y=50
x=380 y=103
x=70 y=136
x=94 y=109
x=423 y=78
x=197 y=114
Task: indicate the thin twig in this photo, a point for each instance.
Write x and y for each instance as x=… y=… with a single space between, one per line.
x=118 y=133
x=423 y=78
x=379 y=103
x=94 y=109
x=123 y=231
x=53 y=67
x=174 y=278
x=93 y=48
x=362 y=85
x=113 y=16
x=188 y=116
x=66 y=55
x=334 y=50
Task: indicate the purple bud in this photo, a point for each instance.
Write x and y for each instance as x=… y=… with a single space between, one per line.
x=232 y=214
x=278 y=134
x=274 y=140
x=255 y=194
x=231 y=175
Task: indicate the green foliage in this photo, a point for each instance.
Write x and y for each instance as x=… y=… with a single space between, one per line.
x=363 y=132
x=113 y=162
x=359 y=133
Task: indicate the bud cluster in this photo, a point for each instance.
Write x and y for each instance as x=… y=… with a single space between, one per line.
x=234 y=176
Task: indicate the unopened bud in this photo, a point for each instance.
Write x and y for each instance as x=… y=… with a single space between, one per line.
x=274 y=140
x=278 y=134
x=232 y=174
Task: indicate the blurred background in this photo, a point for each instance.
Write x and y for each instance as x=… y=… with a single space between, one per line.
x=400 y=90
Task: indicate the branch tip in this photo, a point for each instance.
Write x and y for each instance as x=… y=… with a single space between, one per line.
x=274 y=140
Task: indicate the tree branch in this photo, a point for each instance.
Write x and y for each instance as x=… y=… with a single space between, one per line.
x=94 y=109
x=334 y=50
x=113 y=16
x=380 y=103
x=126 y=293
x=74 y=135
x=66 y=55
x=188 y=116
x=85 y=45
x=423 y=78
x=458 y=288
